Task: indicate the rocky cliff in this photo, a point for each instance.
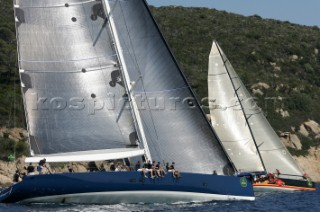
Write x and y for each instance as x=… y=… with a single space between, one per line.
x=304 y=142
x=310 y=163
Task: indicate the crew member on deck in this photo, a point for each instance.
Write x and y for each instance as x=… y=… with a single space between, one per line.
x=112 y=167
x=175 y=173
x=16 y=176
x=70 y=168
x=30 y=169
x=42 y=164
x=167 y=166
x=137 y=166
x=160 y=171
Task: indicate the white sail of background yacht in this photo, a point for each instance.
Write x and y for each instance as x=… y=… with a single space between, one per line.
x=237 y=114
x=227 y=116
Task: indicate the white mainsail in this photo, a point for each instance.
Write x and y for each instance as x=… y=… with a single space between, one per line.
x=273 y=153
x=98 y=76
x=74 y=97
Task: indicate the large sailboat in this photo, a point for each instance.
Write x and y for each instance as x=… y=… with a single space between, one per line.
x=100 y=83
x=247 y=136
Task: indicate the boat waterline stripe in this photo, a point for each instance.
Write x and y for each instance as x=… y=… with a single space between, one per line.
x=136 y=197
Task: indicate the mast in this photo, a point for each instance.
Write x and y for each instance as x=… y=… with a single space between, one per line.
x=15 y=6
x=128 y=85
x=240 y=102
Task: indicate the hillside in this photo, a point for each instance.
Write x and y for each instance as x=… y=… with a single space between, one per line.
x=279 y=62
x=11 y=108
x=281 y=54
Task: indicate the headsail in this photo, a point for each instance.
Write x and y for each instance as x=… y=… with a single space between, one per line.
x=73 y=92
x=273 y=152
x=227 y=116
x=174 y=124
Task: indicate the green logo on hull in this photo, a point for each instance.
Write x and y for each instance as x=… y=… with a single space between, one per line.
x=243 y=182
x=310 y=184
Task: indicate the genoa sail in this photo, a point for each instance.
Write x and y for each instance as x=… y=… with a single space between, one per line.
x=175 y=127
x=73 y=92
x=274 y=154
x=227 y=116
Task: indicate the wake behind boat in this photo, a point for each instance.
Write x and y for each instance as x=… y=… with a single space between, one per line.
x=249 y=139
x=100 y=83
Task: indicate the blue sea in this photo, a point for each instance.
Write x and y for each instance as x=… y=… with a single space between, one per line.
x=276 y=201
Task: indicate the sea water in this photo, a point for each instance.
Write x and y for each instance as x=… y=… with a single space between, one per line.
x=272 y=201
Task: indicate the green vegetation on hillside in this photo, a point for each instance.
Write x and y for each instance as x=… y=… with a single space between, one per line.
x=11 y=108
x=286 y=56
x=11 y=148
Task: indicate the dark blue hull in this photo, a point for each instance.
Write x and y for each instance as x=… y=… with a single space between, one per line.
x=126 y=187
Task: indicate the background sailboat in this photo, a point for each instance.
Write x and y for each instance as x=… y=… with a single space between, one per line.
x=99 y=83
x=250 y=141
x=228 y=119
